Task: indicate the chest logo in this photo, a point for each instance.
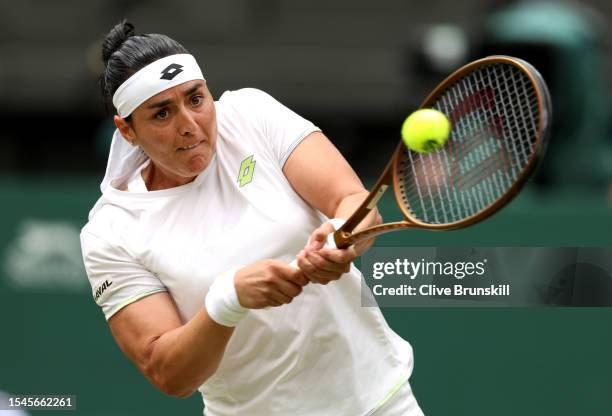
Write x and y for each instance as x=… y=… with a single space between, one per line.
x=245 y=173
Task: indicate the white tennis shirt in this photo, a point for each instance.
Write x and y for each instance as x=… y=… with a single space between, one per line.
x=322 y=354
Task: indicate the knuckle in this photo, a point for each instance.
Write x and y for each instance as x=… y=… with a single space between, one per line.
x=315 y=261
x=307 y=267
x=269 y=279
x=312 y=278
x=261 y=300
x=296 y=275
x=271 y=265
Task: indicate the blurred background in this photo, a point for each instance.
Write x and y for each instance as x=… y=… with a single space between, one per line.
x=356 y=69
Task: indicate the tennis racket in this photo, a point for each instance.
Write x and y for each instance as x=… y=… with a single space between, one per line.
x=500 y=113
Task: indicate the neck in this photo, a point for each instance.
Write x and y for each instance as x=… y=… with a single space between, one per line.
x=156 y=178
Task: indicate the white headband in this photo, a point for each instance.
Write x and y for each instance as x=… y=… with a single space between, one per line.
x=154 y=78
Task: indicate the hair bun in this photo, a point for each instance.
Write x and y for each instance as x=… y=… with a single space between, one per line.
x=115 y=38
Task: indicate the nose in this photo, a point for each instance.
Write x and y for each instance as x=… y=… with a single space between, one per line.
x=186 y=122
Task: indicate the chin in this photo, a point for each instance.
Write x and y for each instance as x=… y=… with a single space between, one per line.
x=198 y=164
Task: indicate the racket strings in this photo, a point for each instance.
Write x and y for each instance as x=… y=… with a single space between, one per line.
x=495 y=115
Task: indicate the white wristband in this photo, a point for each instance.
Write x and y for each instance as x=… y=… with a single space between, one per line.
x=222 y=302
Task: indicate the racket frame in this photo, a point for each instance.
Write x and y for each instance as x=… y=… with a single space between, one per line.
x=344 y=236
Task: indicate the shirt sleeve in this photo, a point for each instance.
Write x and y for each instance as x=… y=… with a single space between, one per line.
x=116 y=279
x=283 y=129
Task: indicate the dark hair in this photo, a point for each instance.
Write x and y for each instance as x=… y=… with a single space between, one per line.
x=125 y=52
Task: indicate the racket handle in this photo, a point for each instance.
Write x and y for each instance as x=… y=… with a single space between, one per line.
x=338 y=239
x=344 y=239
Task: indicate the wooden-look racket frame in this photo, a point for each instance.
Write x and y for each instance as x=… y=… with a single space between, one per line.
x=344 y=236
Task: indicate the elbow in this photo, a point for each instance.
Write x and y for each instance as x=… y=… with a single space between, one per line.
x=175 y=385
x=177 y=392
x=172 y=388
x=174 y=375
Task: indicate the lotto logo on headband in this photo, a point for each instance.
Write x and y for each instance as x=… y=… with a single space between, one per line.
x=171 y=71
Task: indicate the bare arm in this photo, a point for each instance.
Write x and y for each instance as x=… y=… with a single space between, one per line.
x=177 y=358
x=323 y=178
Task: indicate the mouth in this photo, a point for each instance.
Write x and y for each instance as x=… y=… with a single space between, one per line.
x=193 y=146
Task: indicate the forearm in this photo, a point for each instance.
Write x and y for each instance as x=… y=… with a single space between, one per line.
x=345 y=209
x=182 y=359
x=350 y=203
x=322 y=265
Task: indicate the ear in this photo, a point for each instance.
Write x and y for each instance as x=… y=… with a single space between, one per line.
x=125 y=129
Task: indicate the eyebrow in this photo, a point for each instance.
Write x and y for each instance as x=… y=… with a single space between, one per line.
x=164 y=103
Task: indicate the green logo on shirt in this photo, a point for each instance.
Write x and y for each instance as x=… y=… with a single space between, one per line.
x=247 y=168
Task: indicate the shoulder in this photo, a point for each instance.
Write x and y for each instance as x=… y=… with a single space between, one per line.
x=245 y=96
x=249 y=103
x=246 y=112
x=105 y=225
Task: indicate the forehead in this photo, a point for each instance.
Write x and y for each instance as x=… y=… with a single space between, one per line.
x=180 y=90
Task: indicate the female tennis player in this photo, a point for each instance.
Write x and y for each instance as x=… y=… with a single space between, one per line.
x=204 y=205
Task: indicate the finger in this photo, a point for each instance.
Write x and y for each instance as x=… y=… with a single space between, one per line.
x=298 y=278
x=324 y=264
x=315 y=274
x=309 y=271
x=311 y=268
x=275 y=297
x=272 y=303
x=288 y=288
x=346 y=255
x=319 y=236
x=292 y=274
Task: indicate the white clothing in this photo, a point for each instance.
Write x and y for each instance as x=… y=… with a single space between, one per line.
x=401 y=403
x=323 y=354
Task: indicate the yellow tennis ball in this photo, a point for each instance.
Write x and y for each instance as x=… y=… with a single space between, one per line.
x=426 y=130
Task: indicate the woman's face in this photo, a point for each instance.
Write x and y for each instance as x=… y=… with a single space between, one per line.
x=177 y=129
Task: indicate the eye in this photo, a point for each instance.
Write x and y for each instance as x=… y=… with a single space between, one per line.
x=161 y=114
x=197 y=100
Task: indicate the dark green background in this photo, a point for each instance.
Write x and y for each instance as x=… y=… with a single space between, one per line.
x=540 y=361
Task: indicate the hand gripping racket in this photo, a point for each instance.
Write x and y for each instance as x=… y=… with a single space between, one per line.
x=500 y=113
